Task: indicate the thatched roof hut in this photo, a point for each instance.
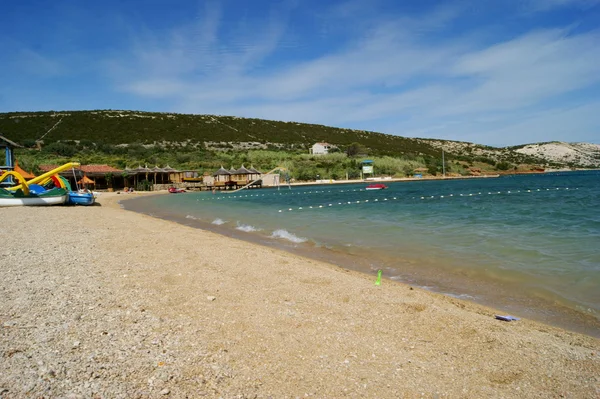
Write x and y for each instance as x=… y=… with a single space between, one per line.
x=254 y=174
x=242 y=171
x=170 y=169
x=222 y=172
x=222 y=175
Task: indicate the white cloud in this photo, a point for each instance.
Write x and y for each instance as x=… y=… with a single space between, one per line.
x=527 y=71
x=445 y=88
x=408 y=75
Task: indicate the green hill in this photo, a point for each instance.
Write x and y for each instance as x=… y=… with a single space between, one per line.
x=127 y=127
x=206 y=142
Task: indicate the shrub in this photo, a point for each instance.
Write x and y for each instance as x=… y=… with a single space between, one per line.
x=62 y=149
x=503 y=166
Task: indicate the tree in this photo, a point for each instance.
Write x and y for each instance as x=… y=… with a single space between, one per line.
x=355 y=149
x=62 y=149
x=503 y=166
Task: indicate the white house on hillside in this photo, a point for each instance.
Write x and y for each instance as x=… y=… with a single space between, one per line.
x=321 y=148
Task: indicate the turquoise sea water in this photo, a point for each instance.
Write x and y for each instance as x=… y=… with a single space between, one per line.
x=527 y=244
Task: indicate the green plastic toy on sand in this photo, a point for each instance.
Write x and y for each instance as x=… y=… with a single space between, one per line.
x=378 y=281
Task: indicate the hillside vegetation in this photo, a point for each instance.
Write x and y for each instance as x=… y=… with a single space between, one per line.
x=205 y=142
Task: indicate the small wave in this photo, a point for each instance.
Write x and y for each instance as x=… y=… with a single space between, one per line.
x=190 y=217
x=246 y=228
x=218 y=221
x=459 y=296
x=286 y=235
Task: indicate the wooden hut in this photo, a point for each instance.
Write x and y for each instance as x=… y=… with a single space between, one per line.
x=241 y=176
x=254 y=174
x=7 y=146
x=191 y=176
x=139 y=174
x=222 y=178
x=160 y=175
x=173 y=175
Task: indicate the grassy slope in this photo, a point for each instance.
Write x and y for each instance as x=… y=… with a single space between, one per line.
x=184 y=140
x=119 y=127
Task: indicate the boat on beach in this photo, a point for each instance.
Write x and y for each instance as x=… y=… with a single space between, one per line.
x=376 y=186
x=57 y=196
x=80 y=198
x=174 y=190
x=30 y=193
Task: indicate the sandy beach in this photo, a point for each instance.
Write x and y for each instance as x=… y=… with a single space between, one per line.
x=102 y=302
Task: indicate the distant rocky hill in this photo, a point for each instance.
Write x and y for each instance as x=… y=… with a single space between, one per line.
x=226 y=133
x=551 y=154
x=583 y=154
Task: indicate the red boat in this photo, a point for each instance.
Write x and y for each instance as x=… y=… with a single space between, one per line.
x=174 y=190
x=376 y=186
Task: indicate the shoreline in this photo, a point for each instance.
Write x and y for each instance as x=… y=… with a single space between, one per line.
x=113 y=303
x=476 y=289
x=327 y=182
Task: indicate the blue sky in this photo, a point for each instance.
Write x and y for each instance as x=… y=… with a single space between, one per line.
x=495 y=72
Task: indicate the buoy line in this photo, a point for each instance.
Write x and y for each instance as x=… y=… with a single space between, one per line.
x=283 y=193
x=421 y=198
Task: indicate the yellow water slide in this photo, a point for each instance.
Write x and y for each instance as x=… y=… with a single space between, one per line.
x=45 y=176
x=19 y=178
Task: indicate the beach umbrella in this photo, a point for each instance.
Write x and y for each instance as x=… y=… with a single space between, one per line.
x=86 y=181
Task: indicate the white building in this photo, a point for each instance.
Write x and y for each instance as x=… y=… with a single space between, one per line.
x=321 y=148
